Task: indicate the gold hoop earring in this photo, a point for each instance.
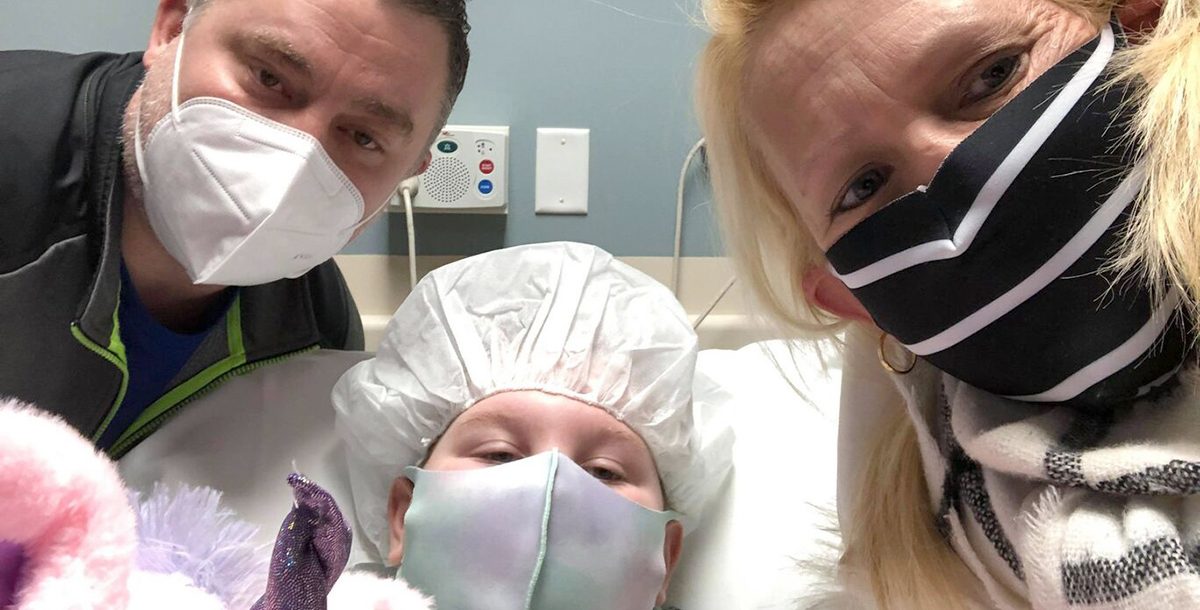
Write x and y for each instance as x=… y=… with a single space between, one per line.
x=895 y=370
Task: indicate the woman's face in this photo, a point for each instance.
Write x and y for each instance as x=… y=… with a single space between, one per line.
x=854 y=104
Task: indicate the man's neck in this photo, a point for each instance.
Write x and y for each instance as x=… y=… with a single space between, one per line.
x=161 y=282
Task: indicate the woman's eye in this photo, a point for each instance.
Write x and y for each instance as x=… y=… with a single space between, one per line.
x=268 y=79
x=604 y=474
x=994 y=77
x=365 y=141
x=865 y=186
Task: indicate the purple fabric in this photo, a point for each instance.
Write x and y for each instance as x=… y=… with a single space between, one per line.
x=12 y=558
x=185 y=531
x=310 y=553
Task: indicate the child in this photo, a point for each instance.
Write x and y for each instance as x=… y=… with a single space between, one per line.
x=527 y=436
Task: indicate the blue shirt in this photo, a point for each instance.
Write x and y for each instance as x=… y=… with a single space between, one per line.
x=154 y=354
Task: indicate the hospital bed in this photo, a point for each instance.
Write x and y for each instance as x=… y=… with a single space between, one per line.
x=245 y=438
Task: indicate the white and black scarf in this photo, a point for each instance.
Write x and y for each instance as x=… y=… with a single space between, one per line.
x=1056 y=507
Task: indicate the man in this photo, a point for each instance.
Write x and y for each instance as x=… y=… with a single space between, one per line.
x=158 y=206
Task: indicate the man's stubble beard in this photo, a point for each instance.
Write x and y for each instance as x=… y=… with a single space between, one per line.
x=151 y=101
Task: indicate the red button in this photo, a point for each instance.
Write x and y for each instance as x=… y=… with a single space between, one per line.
x=486 y=166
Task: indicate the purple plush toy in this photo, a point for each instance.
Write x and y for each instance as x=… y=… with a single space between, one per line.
x=73 y=538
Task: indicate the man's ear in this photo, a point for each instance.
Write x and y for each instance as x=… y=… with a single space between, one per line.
x=824 y=290
x=1139 y=15
x=168 y=23
x=672 y=548
x=398 y=502
x=424 y=163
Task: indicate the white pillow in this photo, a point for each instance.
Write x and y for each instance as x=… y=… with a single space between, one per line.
x=775 y=509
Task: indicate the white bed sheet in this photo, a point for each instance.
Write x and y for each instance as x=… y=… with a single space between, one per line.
x=780 y=499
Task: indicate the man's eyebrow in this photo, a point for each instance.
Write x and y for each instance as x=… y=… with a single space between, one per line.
x=378 y=108
x=278 y=47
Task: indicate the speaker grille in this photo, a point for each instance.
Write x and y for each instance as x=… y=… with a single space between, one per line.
x=447 y=180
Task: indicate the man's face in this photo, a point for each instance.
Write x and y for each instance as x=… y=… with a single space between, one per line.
x=367 y=78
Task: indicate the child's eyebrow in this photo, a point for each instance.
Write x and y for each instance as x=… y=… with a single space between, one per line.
x=620 y=437
x=487 y=419
x=625 y=434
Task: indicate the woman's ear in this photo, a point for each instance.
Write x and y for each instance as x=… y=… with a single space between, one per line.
x=672 y=548
x=398 y=502
x=824 y=290
x=168 y=23
x=1139 y=15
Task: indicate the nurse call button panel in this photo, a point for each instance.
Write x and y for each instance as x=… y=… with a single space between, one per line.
x=468 y=171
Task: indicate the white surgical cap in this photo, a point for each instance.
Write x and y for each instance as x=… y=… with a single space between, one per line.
x=563 y=318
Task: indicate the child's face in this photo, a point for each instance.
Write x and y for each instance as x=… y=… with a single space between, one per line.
x=515 y=425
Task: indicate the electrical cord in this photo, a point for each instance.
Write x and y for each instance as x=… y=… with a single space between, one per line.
x=677 y=257
x=675 y=260
x=408 y=190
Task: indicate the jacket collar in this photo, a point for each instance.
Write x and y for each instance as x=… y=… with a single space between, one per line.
x=98 y=119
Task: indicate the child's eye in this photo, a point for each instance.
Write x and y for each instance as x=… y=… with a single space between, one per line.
x=604 y=474
x=499 y=457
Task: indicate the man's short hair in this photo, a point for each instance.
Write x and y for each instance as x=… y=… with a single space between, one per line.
x=452 y=14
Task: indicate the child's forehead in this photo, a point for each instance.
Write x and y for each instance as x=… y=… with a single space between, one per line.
x=537 y=413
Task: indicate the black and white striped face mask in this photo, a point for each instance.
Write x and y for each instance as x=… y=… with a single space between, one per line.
x=995 y=272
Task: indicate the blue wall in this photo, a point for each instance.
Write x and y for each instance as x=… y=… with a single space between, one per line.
x=622 y=68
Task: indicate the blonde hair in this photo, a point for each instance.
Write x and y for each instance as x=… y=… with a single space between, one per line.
x=1162 y=244
x=898 y=556
x=757 y=221
x=892 y=548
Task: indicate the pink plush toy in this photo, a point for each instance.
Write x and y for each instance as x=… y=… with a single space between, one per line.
x=70 y=539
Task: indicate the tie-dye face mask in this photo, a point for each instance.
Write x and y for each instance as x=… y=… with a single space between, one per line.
x=536 y=534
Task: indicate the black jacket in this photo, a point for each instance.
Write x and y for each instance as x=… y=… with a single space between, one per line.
x=60 y=252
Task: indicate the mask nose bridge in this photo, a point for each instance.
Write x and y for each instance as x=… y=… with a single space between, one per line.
x=543 y=542
x=928 y=143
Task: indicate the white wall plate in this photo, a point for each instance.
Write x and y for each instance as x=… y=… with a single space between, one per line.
x=562 y=171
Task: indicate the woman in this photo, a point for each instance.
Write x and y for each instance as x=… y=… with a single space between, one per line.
x=527 y=435
x=1007 y=188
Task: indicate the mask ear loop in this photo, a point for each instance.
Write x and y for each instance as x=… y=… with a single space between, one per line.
x=175 y=75
x=366 y=221
x=138 y=155
x=379 y=210
x=541 y=559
